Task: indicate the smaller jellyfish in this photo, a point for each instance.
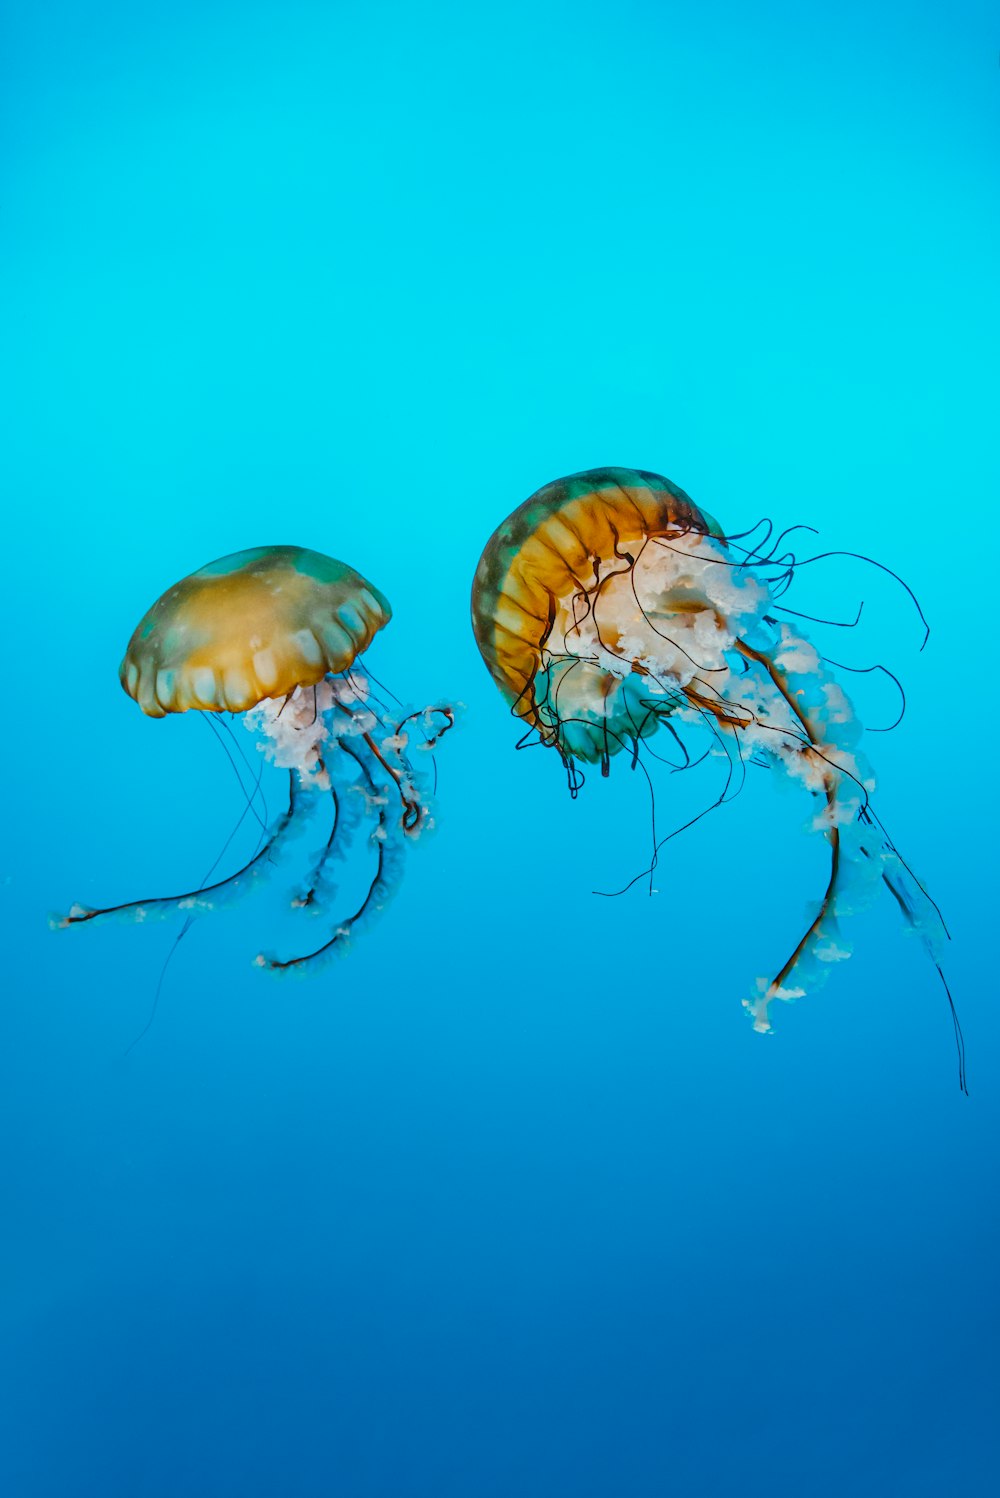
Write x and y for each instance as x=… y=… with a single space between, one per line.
x=608 y=607
x=276 y=634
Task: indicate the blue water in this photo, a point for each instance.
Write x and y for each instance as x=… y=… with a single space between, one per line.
x=511 y=1200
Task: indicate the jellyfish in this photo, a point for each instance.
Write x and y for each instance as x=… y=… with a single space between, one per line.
x=608 y=608
x=275 y=635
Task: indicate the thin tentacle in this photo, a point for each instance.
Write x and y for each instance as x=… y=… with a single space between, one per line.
x=206 y=897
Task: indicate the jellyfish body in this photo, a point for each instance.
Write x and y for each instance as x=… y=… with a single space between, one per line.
x=276 y=634
x=249 y=626
x=608 y=606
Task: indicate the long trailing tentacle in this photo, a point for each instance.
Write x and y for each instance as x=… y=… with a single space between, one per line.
x=349 y=743
x=869 y=843
x=334 y=720
x=909 y=894
x=735 y=718
x=189 y=922
x=318 y=870
x=831 y=781
x=401 y=772
x=217 y=730
x=320 y=886
x=378 y=890
x=207 y=897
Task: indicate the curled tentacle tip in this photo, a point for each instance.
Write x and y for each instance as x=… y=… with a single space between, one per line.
x=272 y=964
x=73 y=916
x=757 y=1012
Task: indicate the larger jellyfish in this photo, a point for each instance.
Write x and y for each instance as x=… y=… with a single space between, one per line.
x=608 y=606
x=276 y=634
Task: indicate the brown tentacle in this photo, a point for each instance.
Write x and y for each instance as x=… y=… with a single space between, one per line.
x=830 y=785
x=412 y=809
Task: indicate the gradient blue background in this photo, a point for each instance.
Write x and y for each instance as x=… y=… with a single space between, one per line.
x=511 y=1201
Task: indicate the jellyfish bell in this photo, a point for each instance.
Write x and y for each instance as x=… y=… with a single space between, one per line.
x=252 y=625
x=609 y=607
x=276 y=634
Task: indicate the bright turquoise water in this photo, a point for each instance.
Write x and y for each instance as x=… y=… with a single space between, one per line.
x=512 y=1200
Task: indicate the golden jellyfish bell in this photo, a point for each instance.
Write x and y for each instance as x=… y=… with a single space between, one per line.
x=252 y=625
x=571 y=537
